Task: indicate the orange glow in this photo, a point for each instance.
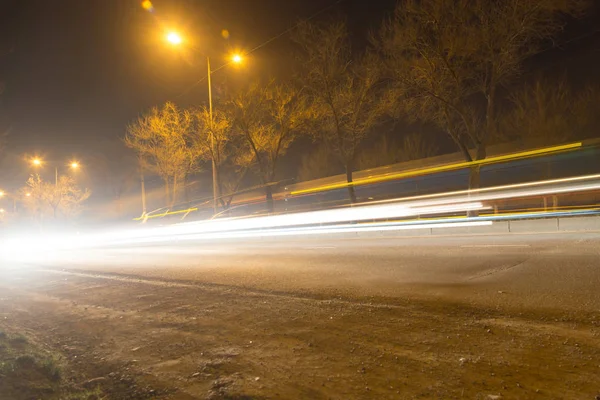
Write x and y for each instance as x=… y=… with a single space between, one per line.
x=36 y=162
x=237 y=58
x=74 y=165
x=174 y=38
x=147 y=5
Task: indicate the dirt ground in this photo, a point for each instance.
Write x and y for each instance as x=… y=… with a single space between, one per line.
x=150 y=338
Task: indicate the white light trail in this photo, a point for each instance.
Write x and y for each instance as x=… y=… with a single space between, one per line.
x=355 y=218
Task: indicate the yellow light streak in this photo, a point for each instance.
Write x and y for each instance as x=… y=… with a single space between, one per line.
x=167 y=213
x=441 y=168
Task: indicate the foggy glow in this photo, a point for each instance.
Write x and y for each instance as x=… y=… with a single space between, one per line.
x=237 y=58
x=174 y=38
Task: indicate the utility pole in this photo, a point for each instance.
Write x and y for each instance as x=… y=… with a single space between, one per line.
x=212 y=143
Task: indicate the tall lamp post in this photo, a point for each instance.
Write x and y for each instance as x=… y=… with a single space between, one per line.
x=36 y=162
x=176 y=40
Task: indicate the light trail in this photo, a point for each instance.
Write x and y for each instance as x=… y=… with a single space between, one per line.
x=440 y=168
x=474 y=192
x=405 y=174
x=438 y=210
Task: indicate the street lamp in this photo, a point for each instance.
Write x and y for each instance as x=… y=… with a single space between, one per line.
x=237 y=58
x=175 y=39
x=37 y=162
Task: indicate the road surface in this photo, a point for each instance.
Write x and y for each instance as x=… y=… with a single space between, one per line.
x=474 y=317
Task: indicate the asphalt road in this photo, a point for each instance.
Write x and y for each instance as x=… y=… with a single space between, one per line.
x=556 y=270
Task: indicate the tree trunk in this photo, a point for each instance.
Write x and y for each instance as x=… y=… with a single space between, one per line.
x=351 y=191
x=475 y=175
x=186 y=191
x=167 y=192
x=174 y=196
x=269 y=197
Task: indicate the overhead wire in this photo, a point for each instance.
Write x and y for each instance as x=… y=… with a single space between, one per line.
x=263 y=44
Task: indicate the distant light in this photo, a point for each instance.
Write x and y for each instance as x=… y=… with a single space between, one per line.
x=27 y=194
x=174 y=38
x=74 y=165
x=36 y=162
x=236 y=58
x=147 y=5
x=1 y=193
x=1 y=210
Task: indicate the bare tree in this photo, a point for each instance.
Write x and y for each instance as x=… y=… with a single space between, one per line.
x=318 y=164
x=4 y=126
x=412 y=146
x=43 y=199
x=233 y=157
x=234 y=171
x=162 y=138
x=72 y=197
x=449 y=57
x=550 y=113
x=343 y=90
x=269 y=118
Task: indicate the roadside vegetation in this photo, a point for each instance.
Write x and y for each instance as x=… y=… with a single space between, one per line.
x=29 y=371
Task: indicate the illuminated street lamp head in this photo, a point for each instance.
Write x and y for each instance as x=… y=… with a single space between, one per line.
x=36 y=162
x=74 y=165
x=174 y=38
x=237 y=58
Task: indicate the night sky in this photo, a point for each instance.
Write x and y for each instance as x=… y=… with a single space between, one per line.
x=77 y=71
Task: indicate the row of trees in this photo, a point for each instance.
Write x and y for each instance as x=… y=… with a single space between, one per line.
x=453 y=64
x=44 y=200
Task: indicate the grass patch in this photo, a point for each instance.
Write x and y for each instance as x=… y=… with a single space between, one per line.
x=6 y=367
x=95 y=394
x=51 y=369
x=30 y=372
x=18 y=339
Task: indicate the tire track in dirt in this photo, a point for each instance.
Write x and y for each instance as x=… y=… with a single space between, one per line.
x=193 y=341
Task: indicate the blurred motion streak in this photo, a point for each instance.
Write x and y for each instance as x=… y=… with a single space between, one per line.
x=504 y=192
x=437 y=210
x=442 y=168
